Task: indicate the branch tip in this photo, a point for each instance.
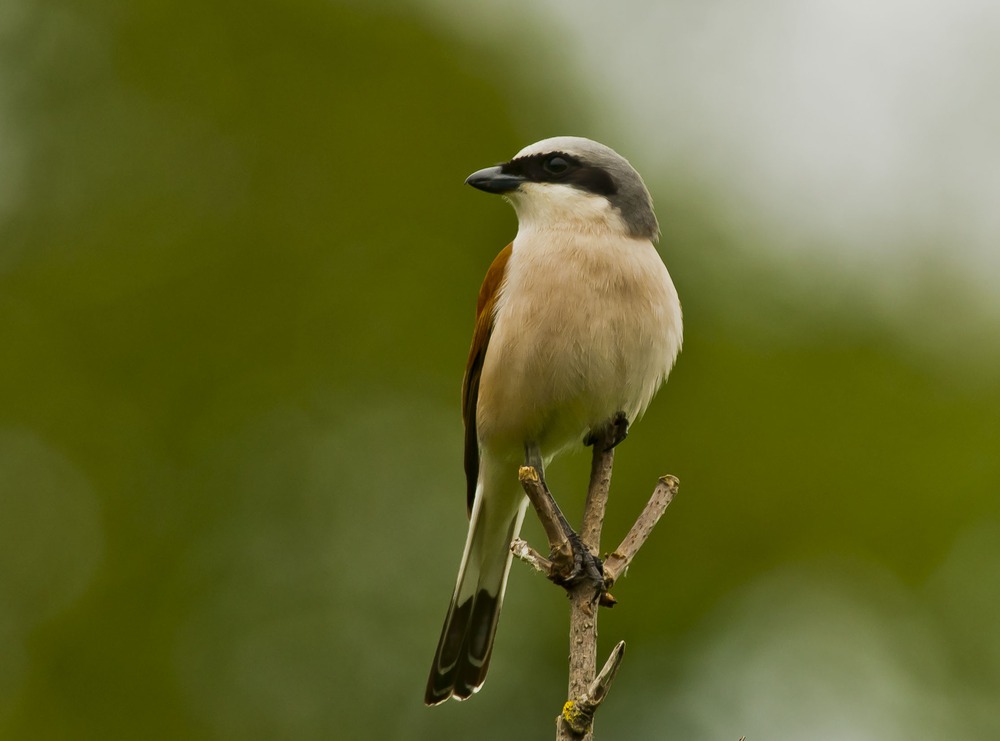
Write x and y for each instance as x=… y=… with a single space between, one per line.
x=599 y=688
x=618 y=562
x=533 y=558
x=579 y=714
x=528 y=473
x=670 y=481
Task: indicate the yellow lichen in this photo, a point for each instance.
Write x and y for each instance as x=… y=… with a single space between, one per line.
x=575 y=718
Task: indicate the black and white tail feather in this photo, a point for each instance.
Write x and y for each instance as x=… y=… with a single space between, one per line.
x=466 y=644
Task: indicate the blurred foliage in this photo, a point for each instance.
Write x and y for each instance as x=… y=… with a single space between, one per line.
x=237 y=273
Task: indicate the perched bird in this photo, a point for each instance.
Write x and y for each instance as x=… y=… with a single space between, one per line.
x=577 y=324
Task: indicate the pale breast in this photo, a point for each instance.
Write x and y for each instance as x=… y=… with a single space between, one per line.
x=585 y=326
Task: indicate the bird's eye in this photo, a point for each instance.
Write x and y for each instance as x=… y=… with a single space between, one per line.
x=555 y=165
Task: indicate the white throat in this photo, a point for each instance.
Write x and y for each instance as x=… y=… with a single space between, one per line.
x=556 y=207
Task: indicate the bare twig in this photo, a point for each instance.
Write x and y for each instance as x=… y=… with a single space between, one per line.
x=616 y=564
x=579 y=714
x=597 y=494
x=573 y=564
x=582 y=661
x=599 y=688
x=530 y=556
x=576 y=720
x=557 y=529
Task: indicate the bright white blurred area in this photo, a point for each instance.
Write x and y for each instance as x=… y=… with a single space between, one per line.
x=848 y=142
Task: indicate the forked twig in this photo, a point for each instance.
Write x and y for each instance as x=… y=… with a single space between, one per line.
x=572 y=563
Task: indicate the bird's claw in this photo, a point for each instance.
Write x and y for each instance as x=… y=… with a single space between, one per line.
x=612 y=434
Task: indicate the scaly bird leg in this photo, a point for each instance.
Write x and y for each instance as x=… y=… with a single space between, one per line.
x=572 y=560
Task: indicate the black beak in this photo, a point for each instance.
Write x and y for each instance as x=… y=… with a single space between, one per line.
x=493 y=180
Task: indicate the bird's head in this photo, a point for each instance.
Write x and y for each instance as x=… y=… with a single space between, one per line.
x=569 y=182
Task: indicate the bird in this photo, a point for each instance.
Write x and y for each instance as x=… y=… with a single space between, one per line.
x=578 y=324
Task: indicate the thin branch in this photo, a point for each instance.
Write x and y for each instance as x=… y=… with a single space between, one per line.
x=557 y=529
x=573 y=564
x=582 y=656
x=533 y=558
x=584 y=602
x=597 y=493
x=576 y=720
x=616 y=564
x=601 y=685
x=579 y=714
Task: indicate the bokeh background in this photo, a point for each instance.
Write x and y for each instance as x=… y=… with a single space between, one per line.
x=238 y=266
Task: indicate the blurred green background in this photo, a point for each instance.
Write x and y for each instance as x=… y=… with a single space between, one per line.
x=238 y=266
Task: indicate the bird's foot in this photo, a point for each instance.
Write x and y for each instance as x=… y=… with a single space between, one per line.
x=585 y=568
x=570 y=563
x=613 y=433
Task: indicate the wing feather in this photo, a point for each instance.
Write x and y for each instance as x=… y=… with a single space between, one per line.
x=485 y=308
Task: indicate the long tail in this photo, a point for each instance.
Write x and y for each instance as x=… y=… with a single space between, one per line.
x=466 y=643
